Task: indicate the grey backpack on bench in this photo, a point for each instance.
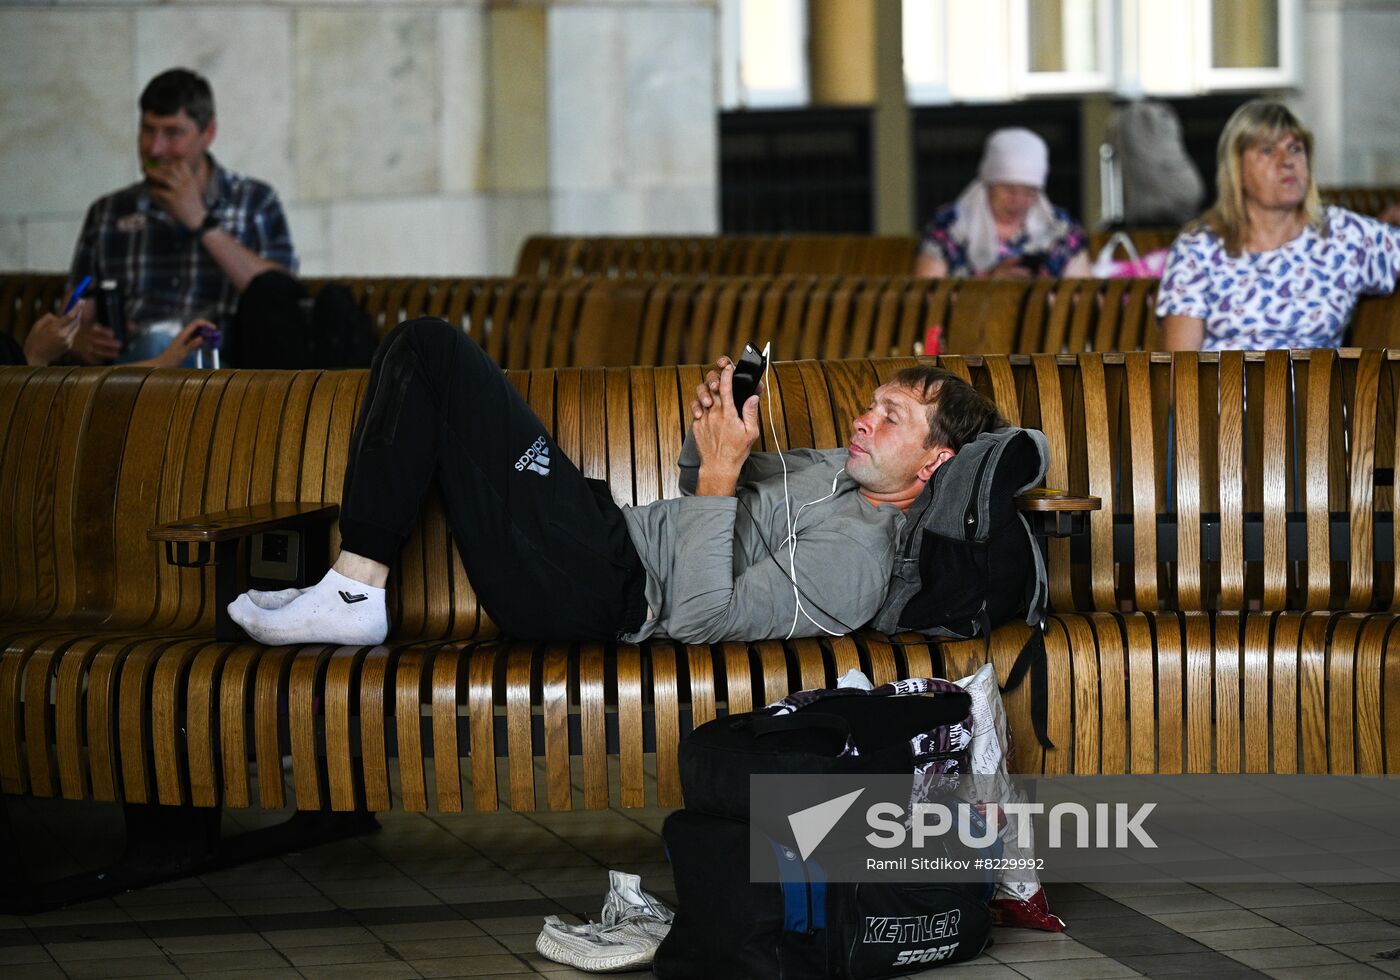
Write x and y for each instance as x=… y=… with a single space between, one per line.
x=967 y=560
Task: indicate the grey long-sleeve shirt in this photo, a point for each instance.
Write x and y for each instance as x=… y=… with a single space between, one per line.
x=719 y=568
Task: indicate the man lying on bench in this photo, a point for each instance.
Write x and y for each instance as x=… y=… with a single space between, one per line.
x=762 y=545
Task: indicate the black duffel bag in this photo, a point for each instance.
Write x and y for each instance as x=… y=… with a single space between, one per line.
x=728 y=925
x=844 y=730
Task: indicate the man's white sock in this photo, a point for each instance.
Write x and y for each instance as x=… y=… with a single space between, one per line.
x=334 y=610
x=273 y=600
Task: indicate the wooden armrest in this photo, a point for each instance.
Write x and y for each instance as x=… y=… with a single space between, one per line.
x=294 y=550
x=1043 y=500
x=228 y=525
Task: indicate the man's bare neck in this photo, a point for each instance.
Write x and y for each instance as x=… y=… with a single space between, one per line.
x=902 y=499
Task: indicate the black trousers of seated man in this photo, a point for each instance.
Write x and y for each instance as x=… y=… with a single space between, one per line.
x=546 y=549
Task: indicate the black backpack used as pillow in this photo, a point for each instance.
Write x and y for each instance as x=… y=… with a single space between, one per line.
x=967 y=559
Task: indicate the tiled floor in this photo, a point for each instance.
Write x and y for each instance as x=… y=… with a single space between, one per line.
x=462 y=895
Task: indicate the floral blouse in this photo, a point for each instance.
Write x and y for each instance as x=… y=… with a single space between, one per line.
x=939 y=243
x=1298 y=295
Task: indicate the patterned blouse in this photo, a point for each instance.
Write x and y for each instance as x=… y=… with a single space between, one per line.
x=1295 y=296
x=939 y=243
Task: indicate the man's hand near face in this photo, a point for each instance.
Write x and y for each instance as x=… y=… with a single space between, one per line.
x=176 y=190
x=723 y=438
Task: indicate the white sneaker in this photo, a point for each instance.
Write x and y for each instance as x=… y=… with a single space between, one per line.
x=627 y=901
x=634 y=923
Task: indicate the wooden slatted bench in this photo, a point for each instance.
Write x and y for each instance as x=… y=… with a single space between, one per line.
x=1363 y=200
x=824 y=317
x=1228 y=611
x=521 y=323
x=534 y=323
x=715 y=255
x=1235 y=597
x=622 y=256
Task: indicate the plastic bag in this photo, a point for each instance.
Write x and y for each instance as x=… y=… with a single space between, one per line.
x=1135 y=266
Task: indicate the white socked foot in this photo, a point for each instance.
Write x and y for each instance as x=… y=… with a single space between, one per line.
x=272 y=600
x=335 y=610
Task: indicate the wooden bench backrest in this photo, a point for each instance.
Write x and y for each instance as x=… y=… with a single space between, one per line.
x=94 y=457
x=1255 y=441
x=717 y=255
x=1363 y=200
x=829 y=317
x=535 y=323
x=565 y=256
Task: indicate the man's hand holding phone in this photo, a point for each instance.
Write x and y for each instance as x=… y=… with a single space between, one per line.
x=724 y=429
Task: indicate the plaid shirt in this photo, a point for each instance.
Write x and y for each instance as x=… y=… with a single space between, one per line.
x=164 y=271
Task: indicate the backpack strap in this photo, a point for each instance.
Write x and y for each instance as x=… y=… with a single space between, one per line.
x=1032 y=660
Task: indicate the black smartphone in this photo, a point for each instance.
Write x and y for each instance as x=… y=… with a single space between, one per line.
x=747 y=374
x=1033 y=262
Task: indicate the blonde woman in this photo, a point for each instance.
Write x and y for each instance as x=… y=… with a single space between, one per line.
x=1268 y=266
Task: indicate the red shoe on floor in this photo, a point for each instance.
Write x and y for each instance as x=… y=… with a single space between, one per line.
x=1029 y=913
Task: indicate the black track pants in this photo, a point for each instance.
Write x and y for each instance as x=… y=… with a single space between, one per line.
x=547 y=551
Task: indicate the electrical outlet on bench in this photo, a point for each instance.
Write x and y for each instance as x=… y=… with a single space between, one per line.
x=276 y=556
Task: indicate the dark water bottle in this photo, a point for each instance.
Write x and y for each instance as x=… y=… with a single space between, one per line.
x=111 y=308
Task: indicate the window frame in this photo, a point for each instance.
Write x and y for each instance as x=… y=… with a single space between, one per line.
x=734 y=94
x=1024 y=81
x=1283 y=75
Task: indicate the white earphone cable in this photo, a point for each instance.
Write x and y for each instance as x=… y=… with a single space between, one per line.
x=791 y=540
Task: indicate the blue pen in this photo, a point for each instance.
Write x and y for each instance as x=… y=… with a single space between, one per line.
x=77 y=294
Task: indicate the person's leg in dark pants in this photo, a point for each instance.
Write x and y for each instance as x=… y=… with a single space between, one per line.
x=547 y=551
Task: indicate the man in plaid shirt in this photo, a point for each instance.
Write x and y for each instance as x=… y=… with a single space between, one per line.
x=186 y=241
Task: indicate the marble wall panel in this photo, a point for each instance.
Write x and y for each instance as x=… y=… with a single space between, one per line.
x=310 y=225
x=670 y=124
x=420 y=236
x=517 y=216
x=246 y=53
x=632 y=100
x=597 y=211
x=48 y=242
x=636 y=211
x=462 y=53
x=368 y=102
x=68 y=109
x=681 y=210
x=12 y=244
x=1370 y=40
x=1385 y=166
x=587 y=105
x=1319 y=104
